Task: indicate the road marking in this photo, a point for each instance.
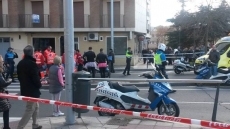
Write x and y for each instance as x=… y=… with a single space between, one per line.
x=12 y=119
x=92 y=89
x=224 y=103
x=13 y=93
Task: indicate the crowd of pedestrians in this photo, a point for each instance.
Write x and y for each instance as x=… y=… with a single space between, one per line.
x=190 y=53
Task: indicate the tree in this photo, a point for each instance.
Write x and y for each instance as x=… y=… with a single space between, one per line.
x=161 y=32
x=208 y=24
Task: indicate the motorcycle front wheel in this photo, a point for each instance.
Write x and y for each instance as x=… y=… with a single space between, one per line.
x=172 y=107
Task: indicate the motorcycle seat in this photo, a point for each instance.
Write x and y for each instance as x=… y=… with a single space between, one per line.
x=123 y=89
x=184 y=62
x=223 y=71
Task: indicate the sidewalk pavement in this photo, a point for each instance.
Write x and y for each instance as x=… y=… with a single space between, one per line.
x=140 y=67
x=103 y=123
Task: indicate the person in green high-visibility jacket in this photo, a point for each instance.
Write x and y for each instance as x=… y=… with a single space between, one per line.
x=160 y=59
x=161 y=62
x=128 y=55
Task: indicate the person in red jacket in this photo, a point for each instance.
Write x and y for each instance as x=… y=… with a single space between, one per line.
x=47 y=52
x=50 y=59
x=40 y=59
x=79 y=61
x=63 y=58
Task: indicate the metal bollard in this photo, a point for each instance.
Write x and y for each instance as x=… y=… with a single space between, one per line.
x=215 y=103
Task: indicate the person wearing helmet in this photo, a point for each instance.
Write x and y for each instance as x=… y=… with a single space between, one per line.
x=160 y=60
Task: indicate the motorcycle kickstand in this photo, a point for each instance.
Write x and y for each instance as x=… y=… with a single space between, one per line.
x=165 y=106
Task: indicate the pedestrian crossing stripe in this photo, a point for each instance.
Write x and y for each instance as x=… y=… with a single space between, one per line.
x=12 y=119
x=13 y=93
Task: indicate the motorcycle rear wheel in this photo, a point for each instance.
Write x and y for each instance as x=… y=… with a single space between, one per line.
x=174 y=109
x=177 y=71
x=104 y=99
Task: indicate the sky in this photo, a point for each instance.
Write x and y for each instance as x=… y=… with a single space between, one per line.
x=162 y=10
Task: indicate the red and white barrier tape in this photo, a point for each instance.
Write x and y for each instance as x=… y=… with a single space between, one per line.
x=203 y=123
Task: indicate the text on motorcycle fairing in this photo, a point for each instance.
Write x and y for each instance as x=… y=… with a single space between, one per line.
x=106 y=92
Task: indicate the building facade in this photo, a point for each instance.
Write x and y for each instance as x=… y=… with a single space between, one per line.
x=41 y=23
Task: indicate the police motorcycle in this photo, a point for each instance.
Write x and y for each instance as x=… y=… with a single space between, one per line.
x=116 y=96
x=205 y=73
x=180 y=65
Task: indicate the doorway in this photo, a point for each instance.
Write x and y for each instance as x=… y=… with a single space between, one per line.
x=5 y=44
x=43 y=43
x=62 y=44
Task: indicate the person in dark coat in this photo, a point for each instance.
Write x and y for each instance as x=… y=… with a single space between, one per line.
x=9 y=61
x=144 y=53
x=111 y=60
x=4 y=103
x=102 y=60
x=30 y=84
x=214 y=57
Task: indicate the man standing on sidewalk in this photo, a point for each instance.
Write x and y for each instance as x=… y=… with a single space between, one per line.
x=29 y=78
x=214 y=57
x=9 y=61
x=111 y=59
x=129 y=55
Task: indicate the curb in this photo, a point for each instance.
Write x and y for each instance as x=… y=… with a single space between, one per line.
x=136 y=84
x=132 y=69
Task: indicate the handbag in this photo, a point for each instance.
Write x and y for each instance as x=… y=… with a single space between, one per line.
x=4 y=102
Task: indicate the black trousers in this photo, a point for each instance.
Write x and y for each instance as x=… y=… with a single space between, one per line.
x=111 y=67
x=163 y=71
x=102 y=71
x=91 y=70
x=127 y=67
x=6 y=119
x=80 y=67
x=10 y=71
x=144 y=59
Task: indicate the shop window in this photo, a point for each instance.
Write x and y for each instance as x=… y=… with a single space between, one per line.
x=43 y=43
x=120 y=45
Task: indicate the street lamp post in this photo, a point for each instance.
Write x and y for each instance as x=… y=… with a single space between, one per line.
x=112 y=24
x=179 y=35
x=69 y=52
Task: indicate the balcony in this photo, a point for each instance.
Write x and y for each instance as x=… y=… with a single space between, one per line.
x=4 y=21
x=45 y=22
x=34 y=21
x=79 y=21
x=118 y=21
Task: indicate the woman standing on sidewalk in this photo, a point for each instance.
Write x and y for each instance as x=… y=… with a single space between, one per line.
x=4 y=103
x=56 y=84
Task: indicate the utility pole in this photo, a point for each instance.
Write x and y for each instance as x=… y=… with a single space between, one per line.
x=69 y=52
x=179 y=35
x=112 y=24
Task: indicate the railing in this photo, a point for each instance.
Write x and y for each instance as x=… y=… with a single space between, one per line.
x=34 y=21
x=80 y=21
x=118 y=21
x=4 y=21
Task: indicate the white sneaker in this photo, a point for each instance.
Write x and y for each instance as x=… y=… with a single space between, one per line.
x=61 y=113
x=55 y=114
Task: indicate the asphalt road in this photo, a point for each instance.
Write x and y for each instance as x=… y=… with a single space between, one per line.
x=194 y=102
